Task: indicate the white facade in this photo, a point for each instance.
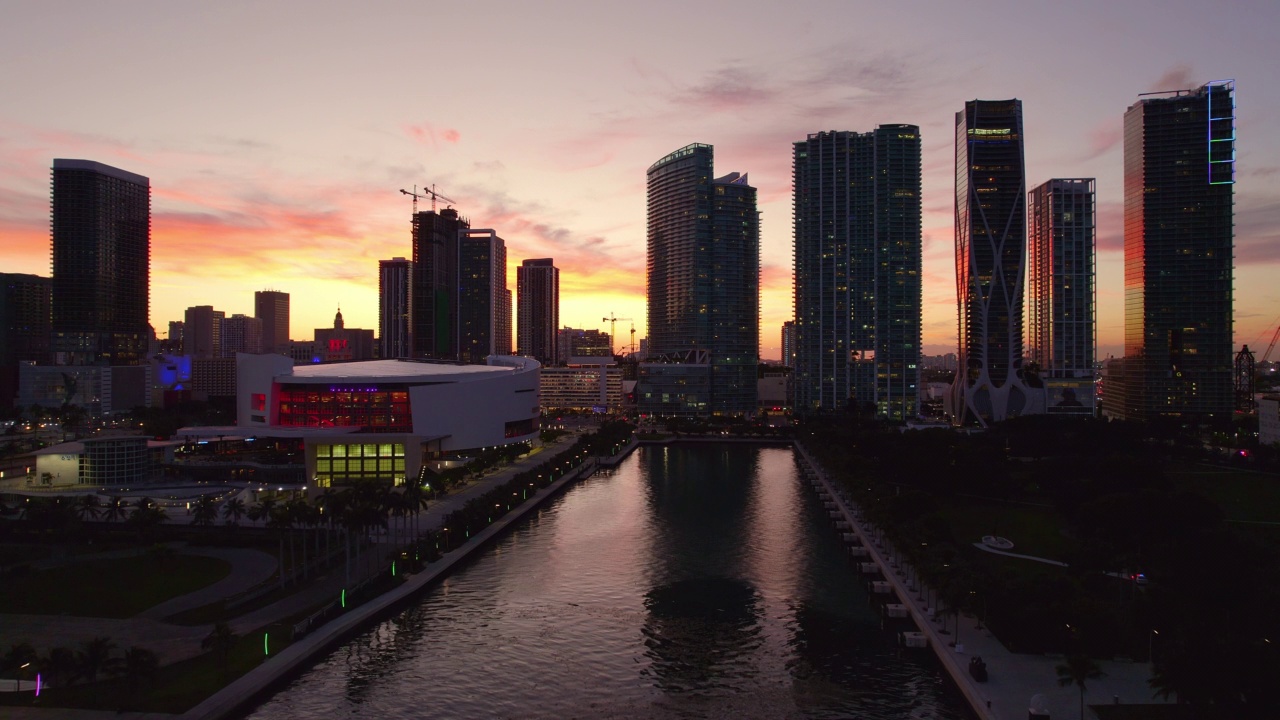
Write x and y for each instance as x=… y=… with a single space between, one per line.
x=1269 y=419
x=429 y=408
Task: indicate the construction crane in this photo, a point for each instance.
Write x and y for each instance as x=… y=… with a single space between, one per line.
x=1272 y=346
x=425 y=192
x=613 y=329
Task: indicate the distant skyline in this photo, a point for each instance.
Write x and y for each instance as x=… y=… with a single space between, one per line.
x=277 y=137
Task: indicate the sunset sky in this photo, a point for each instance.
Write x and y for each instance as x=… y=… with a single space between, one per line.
x=277 y=135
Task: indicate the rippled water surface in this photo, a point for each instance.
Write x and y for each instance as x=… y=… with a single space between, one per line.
x=696 y=581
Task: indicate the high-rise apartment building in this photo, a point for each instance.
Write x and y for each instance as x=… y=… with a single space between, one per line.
x=101 y=289
x=395 y=284
x=991 y=244
x=241 y=334
x=1061 y=333
x=24 y=327
x=538 y=308
x=1179 y=171
x=575 y=343
x=789 y=343
x=202 y=332
x=703 y=289
x=434 y=295
x=484 y=302
x=857 y=271
x=272 y=308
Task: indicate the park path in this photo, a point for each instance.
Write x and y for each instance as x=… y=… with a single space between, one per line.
x=1014 y=678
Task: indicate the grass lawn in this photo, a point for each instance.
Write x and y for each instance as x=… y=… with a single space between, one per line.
x=116 y=588
x=175 y=689
x=1033 y=530
x=1242 y=495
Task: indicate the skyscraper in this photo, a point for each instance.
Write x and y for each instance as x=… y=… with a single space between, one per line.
x=202 y=332
x=24 y=327
x=991 y=244
x=1179 y=169
x=538 y=308
x=394 y=300
x=857 y=271
x=434 y=316
x=101 y=264
x=1060 y=291
x=241 y=334
x=789 y=343
x=484 y=302
x=703 y=289
x=272 y=308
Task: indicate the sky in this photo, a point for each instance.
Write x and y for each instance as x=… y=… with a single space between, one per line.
x=278 y=135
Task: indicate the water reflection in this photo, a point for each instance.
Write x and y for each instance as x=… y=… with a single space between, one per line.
x=696 y=581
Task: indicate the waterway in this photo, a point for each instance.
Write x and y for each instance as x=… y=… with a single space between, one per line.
x=695 y=581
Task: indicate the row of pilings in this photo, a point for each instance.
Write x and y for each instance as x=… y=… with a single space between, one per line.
x=894 y=614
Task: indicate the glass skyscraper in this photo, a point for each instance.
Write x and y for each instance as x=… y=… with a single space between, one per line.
x=433 y=316
x=991 y=242
x=394 y=301
x=538 y=309
x=703 y=289
x=101 y=287
x=857 y=271
x=1060 y=291
x=1179 y=170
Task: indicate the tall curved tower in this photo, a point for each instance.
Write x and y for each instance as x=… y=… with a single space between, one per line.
x=991 y=249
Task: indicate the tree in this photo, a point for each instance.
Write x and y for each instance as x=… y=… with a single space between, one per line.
x=205 y=512
x=19 y=656
x=138 y=670
x=233 y=511
x=221 y=641
x=87 y=507
x=94 y=657
x=59 y=667
x=115 y=509
x=1077 y=671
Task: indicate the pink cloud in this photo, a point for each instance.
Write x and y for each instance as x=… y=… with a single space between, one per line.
x=1105 y=136
x=426 y=134
x=1178 y=77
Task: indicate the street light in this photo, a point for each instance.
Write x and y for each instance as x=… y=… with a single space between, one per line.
x=1151 y=645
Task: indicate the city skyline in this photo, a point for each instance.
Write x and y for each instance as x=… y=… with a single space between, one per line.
x=260 y=180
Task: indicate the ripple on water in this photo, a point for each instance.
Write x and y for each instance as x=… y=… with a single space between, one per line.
x=694 y=582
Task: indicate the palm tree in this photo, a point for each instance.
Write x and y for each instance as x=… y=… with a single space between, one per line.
x=138 y=669
x=221 y=641
x=114 y=509
x=94 y=657
x=19 y=656
x=1078 y=670
x=233 y=511
x=59 y=666
x=87 y=507
x=205 y=513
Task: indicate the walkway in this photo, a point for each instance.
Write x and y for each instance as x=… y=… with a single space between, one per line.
x=1014 y=678
x=173 y=642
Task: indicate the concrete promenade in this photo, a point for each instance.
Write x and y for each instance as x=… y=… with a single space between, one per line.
x=298 y=655
x=176 y=642
x=1013 y=678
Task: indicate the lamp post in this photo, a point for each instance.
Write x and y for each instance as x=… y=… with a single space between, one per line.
x=1151 y=645
x=17 y=681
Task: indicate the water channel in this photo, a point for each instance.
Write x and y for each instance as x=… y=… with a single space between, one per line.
x=695 y=581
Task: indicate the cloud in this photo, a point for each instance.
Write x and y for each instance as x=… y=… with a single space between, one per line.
x=426 y=134
x=1178 y=77
x=1109 y=227
x=729 y=89
x=1105 y=136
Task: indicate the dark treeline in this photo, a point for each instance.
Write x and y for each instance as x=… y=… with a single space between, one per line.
x=1202 y=610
